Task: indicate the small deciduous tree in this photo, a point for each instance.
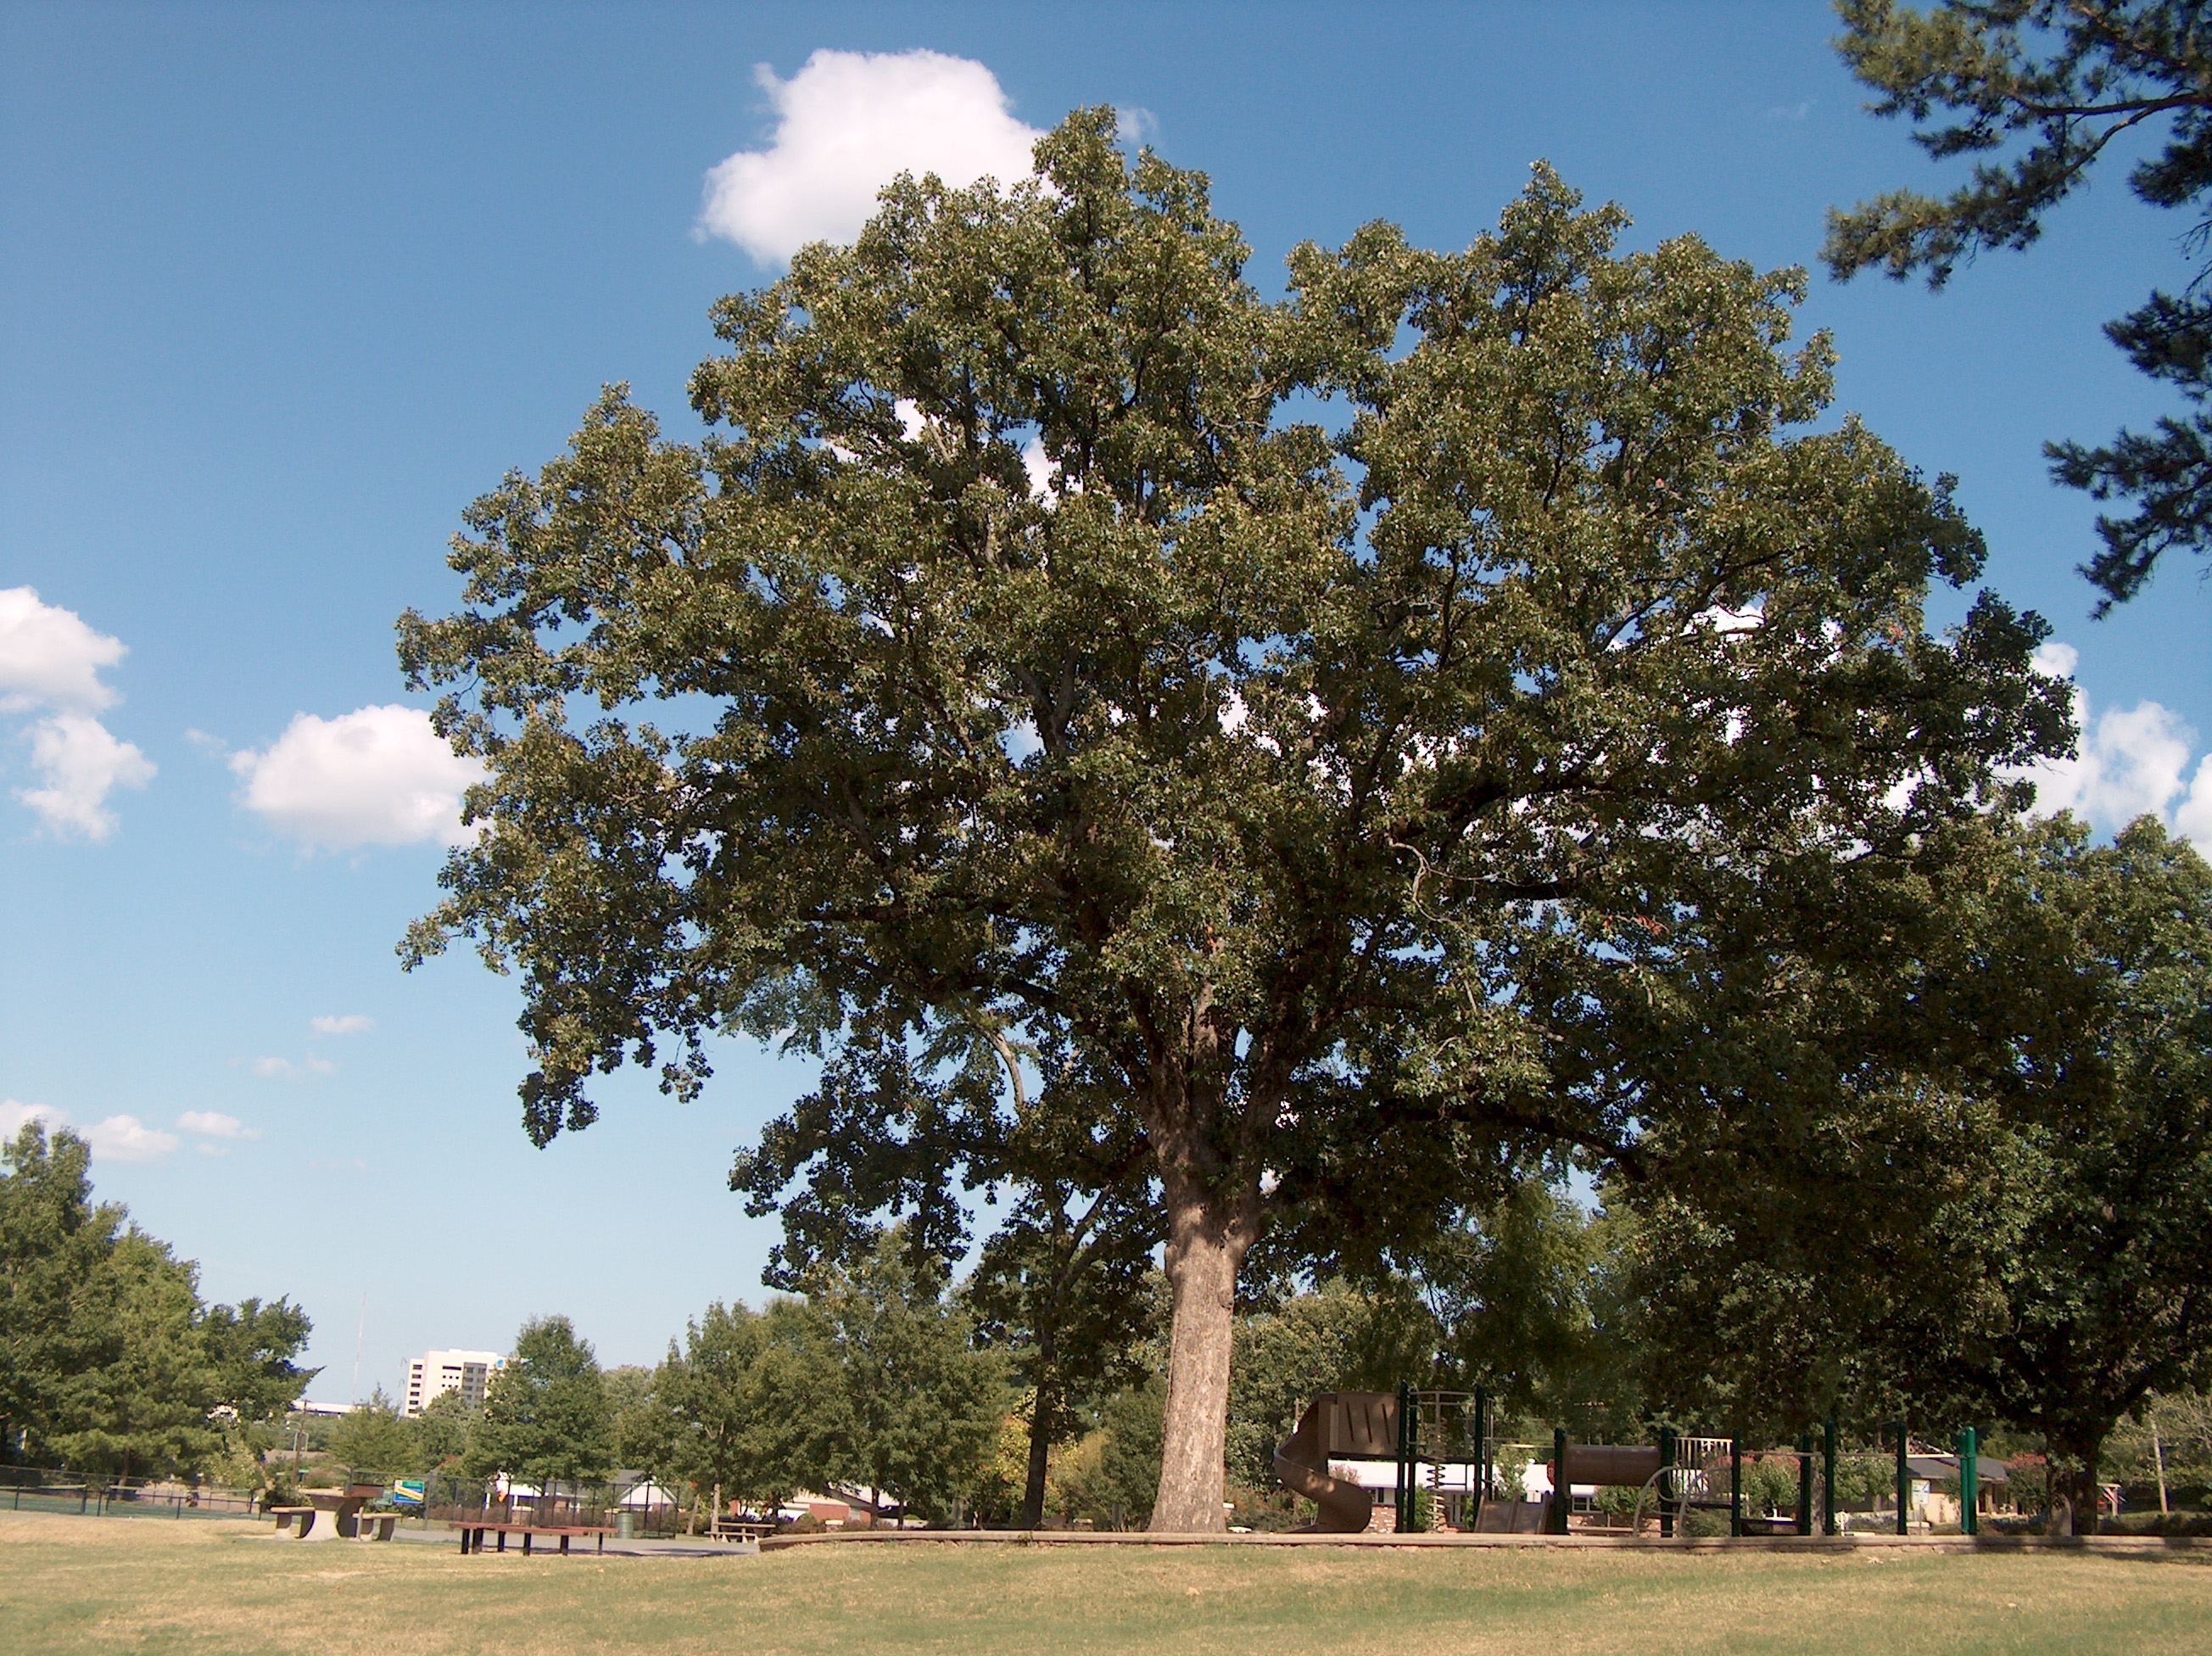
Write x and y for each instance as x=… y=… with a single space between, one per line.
x=442 y=1431
x=912 y=1406
x=545 y=1414
x=373 y=1443
x=738 y=1408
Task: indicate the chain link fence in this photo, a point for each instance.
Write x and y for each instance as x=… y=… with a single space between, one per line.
x=51 y=1489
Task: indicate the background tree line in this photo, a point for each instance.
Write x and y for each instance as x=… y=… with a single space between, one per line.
x=109 y=1363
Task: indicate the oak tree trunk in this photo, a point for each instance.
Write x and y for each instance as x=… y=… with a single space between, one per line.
x=1205 y=1250
x=1044 y=1421
x=2073 y=1473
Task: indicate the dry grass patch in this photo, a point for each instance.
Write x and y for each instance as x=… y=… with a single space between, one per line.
x=130 y=1585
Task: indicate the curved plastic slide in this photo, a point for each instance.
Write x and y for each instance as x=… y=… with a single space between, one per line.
x=1302 y=1464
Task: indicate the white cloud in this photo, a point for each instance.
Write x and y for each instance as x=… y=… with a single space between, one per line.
x=2056 y=661
x=378 y=775
x=213 y=1123
x=1038 y=465
x=2129 y=763
x=118 y=1138
x=353 y=1023
x=126 y=1138
x=49 y=659
x=848 y=123
x=283 y=1069
x=14 y=1114
x=2192 y=818
x=81 y=763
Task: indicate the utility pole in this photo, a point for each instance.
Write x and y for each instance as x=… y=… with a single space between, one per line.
x=2158 y=1459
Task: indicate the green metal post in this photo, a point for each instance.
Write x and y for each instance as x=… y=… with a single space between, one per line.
x=1561 y=1486
x=1970 y=1481
x=1805 y=1483
x=1403 y=1516
x=1828 y=1476
x=1667 y=1452
x=1481 y=1454
x=1735 y=1486
x=1903 y=1482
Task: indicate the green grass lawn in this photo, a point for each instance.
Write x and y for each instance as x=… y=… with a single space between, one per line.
x=93 y=1585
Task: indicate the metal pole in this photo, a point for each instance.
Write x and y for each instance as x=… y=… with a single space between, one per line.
x=1805 y=1483
x=1970 y=1481
x=1404 y=1516
x=1735 y=1486
x=1562 y=1486
x=1904 y=1484
x=1482 y=1455
x=1667 y=1451
x=1828 y=1476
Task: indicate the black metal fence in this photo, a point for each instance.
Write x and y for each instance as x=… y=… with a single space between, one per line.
x=49 y=1490
x=454 y=1500
x=643 y=1510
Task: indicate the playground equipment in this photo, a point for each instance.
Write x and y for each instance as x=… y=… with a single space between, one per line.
x=1425 y=1436
x=1439 y=1443
x=1358 y=1425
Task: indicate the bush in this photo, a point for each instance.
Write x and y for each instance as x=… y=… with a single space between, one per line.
x=1267 y=1511
x=2157 y=1524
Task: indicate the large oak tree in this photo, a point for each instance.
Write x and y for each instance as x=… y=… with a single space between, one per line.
x=1213 y=701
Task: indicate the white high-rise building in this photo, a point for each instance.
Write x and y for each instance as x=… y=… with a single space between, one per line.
x=434 y=1374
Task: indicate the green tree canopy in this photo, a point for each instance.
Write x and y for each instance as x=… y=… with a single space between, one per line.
x=2017 y=1225
x=109 y=1360
x=373 y=1443
x=138 y=1405
x=1232 y=767
x=53 y=1241
x=442 y=1431
x=544 y=1416
x=912 y=1406
x=252 y=1347
x=1532 y=1302
x=738 y=1408
x=2041 y=89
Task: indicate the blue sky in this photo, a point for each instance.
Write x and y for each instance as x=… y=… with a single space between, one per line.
x=282 y=289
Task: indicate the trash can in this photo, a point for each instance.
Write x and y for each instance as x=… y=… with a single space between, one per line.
x=625 y=1525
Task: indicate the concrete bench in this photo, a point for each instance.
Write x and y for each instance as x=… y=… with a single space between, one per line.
x=286 y=1517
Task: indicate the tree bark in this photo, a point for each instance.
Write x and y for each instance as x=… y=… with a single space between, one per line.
x=1043 y=1422
x=2073 y=1472
x=1205 y=1250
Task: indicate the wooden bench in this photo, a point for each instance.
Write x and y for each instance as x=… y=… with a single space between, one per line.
x=473 y=1534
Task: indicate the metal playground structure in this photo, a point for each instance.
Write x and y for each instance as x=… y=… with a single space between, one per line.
x=1443 y=1457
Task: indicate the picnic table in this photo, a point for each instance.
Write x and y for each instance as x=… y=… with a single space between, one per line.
x=474 y=1531
x=344 y=1507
